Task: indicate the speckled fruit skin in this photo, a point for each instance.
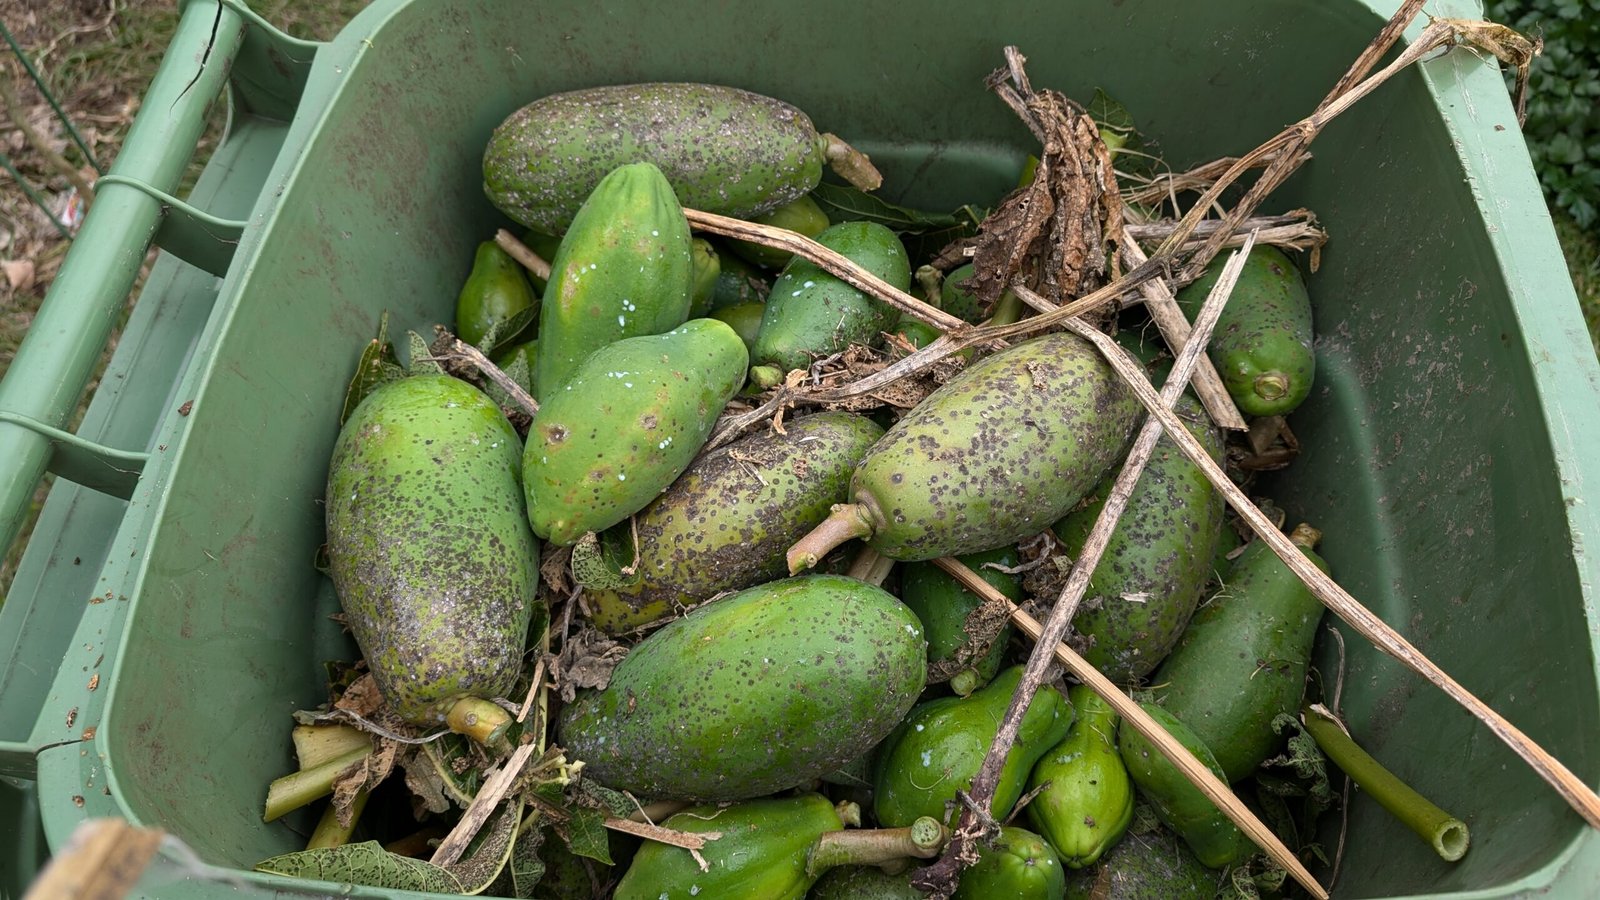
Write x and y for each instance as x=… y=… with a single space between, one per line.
x=623 y=270
x=725 y=523
x=627 y=423
x=723 y=149
x=940 y=746
x=428 y=544
x=864 y=883
x=811 y=314
x=1156 y=865
x=997 y=454
x=1085 y=799
x=1019 y=866
x=1264 y=330
x=762 y=852
x=752 y=694
x=1149 y=581
x=1213 y=837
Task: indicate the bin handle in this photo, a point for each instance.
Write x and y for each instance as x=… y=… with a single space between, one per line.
x=134 y=210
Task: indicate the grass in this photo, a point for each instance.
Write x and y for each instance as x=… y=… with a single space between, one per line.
x=1582 y=250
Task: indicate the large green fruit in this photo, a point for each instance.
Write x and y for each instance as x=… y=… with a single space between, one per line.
x=429 y=546
x=1213 y=837
x=994 y=456
x=623 y=270
x=752 y=694
x=494 y=291
x=1085 y=798
x=938 y=749
x=811 y=314
x=762 y=852
x=725 y=523
x=1242 y=661
x=625 y=425
x=943 y=604
x=723 y=149
x=1158 y=560
x=1262 y=343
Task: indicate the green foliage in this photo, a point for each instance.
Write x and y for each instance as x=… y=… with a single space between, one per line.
x=1563 y=127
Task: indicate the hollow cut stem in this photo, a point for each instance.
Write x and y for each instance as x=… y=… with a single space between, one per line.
x=1447 y=834
x=922 y=839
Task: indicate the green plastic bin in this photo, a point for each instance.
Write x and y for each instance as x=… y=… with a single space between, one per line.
x=154 y=645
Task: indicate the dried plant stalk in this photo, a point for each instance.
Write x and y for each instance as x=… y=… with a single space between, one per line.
x=1175 y=328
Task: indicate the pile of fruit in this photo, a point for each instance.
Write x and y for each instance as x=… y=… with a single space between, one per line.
x=756 y=474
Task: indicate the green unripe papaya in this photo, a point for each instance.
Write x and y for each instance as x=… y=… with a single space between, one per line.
x=623 y=270
x=1158 y=560
x=706 y=269
x=1085 y=799
x=943 y=604
x=917 y=333
x=1262 y=343
x=1213 y=837
x=752 y=694
x=494 y=291
x=955 y=299
x=744 y=319
x=994 y=456
x=440 y=603
x=1243 y=659
x=725 y=523
x=762 y=852
x=939 y=747
x=724 y=150
x=738 y=282
x=1019 y=866
x=811 y=314
x=625 y=425
x=864 y=883
x=801 y=215
x=1155 y=865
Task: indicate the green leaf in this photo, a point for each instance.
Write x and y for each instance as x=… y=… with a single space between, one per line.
x=366 y=863
x=421 y=356
x=586 y=835
x=526 y=867
x=598 y=796
x=376 y=367
x=598 y=559
x=506 y=332
x=453 y=760
x=490 y=850
x=843 y=203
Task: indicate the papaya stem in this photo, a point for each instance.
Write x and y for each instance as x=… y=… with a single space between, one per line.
x=1447 y=834
x=520 y=252
x=316 y=744
x=329 y=833
x=289 y=793
x=478 y=719
x=1271 y=386
x=846 y=522
x=851 y=164
x=923 y=839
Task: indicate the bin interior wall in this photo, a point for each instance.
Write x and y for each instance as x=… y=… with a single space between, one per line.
x=1416 y=436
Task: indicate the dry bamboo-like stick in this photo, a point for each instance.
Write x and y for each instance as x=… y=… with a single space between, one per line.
x=1578 y=795
x=1174 y=327
x=1193 y=769
x=489 y=796
x=520 y=252
x=831 y=261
